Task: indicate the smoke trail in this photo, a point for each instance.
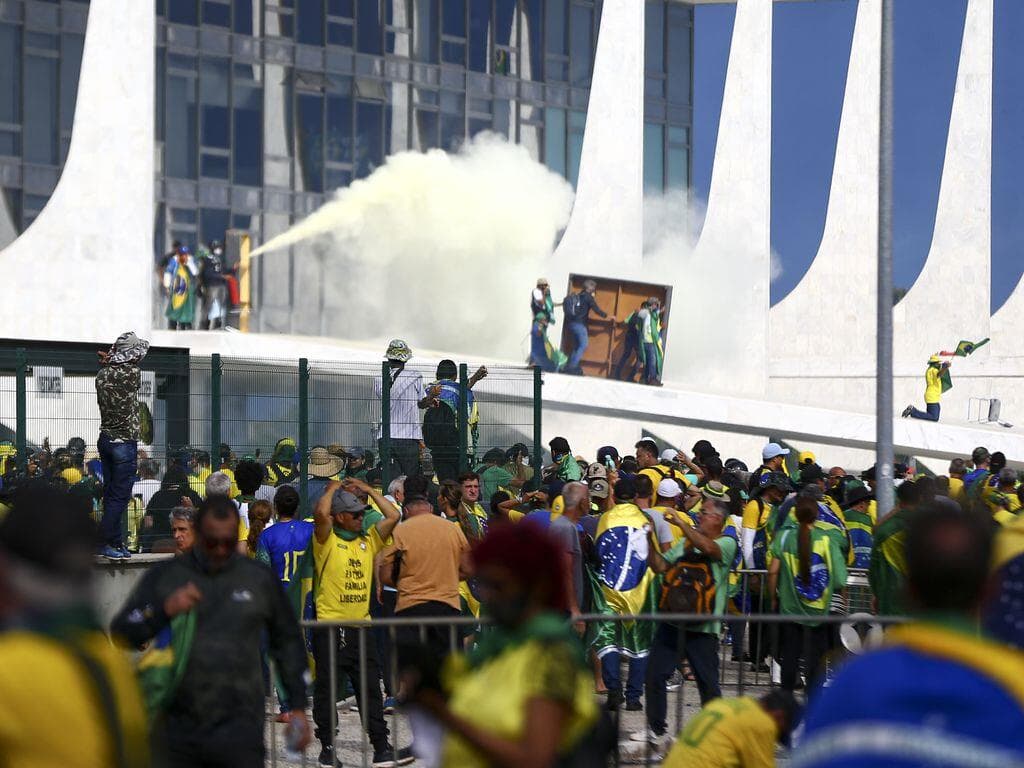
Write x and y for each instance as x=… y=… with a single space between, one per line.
x=441 y=249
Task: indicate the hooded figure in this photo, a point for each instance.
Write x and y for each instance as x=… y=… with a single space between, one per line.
x=281 y=467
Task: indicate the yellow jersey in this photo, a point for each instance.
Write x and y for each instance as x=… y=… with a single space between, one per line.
x=956 y=489
x=197 y=482
x=727 y=733
x=932 y=385
x=344 y=575
x=660 y=472
x=52 y=715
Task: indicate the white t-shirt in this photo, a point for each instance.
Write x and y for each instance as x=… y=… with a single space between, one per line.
x=406 y=392
x=661 y=526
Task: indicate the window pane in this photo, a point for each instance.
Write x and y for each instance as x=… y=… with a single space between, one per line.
x=213 y=94
x=180 y=138
x=556 y=30
x=504 y=16
x=70 y=70
x=183 y=12
x=369 y=148
x=247 y=144
x=309 y=129
x=369 y=27
x=427 y=125
x=213 y=223
x=502 y=118
x=217 y=14
x=213 y=166
x=425 y=31
x=654 y=173
x=582 y=45
x=340 y=34
x=339 y=128
x=243 y=16
x=479 y=35
x=677 y=168
x=309 y=22
x=680 y=44
x=554 y=140
x=654 y=36
x=454 y=19
x=337 y=178
x=453 y=53
x=577 y=123
x=530 y=40
x=10 y=73
x=340 y=8
x=40 y=127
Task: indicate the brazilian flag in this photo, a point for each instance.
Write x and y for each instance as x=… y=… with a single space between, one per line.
x=966 y=348
x=181 y=304
x=624 y=583
x=659 y=344
x=162 y=666
x=887 y=571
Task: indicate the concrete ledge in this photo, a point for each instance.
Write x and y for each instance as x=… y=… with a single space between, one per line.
x=114 y=581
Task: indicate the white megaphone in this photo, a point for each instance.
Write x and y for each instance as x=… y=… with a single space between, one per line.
x=860 y=632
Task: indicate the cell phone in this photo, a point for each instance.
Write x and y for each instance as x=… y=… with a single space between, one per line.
x=609 y=462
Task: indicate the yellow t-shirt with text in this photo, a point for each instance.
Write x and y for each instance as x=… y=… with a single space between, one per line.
x=344 y=575
x=727 y=733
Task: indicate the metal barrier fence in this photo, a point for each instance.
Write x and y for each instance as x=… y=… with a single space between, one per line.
x=381 y=636
x=212 y=411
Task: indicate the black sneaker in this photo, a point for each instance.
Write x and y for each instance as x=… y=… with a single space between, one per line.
x=390 y=757
x=615 y=699
x=327 y=758
x=634 y=706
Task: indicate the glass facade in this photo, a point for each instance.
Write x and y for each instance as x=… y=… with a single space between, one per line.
x=40 y=62
x=264 y=107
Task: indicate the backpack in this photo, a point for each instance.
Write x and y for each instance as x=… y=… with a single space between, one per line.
x=689 y=585
x=439 y=427
x=574 y=307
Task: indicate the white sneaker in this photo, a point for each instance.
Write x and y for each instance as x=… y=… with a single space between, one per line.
x=776 y=673
x=647 y=735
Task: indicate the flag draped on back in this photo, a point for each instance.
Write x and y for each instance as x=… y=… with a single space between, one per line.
x=623 y=582
x=888 y=569
x=162 y=666
x=181 y=304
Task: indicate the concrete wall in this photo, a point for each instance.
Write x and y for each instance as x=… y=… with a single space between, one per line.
x=83 y=268
x=114 y=582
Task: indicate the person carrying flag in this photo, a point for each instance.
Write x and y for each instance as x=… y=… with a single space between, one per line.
x=650 y=350
x=937 y=382
x=623 y=584
x=887 y=571
x=180 y=282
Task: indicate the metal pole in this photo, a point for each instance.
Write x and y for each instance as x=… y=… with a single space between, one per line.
x=385 y=424
x=884 y=384
x=538 y=383
x=21 y=409
x=215 y=371
x=463 y=417
x=304 y=433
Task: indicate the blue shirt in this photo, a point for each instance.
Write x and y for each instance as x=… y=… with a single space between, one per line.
x=282 y=546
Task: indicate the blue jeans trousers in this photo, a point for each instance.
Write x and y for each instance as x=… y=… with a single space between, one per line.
x=931 y=412
x=579 y=332
x=119 y=460
x=612 y=676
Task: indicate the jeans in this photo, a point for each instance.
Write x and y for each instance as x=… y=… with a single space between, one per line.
x=539 y=354
x=628 y=356
x=930 y=414
x=797 y=642
x=346 y=659
x=650 y=363
x=701 y=651
x=119 y=461
x=579 y=332
x=405 y=456
x=612 y=675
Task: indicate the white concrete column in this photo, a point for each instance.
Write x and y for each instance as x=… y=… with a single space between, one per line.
x=83 y=270
x=718 y=329
x=831 y=312
x=607 y=218
x=951 y=298
x=1007 y=324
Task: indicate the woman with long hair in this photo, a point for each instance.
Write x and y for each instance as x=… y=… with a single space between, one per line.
x=806 y=569
x=523 y=696
x=260 y=515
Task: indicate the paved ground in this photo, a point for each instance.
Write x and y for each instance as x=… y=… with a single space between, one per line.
x=682 y=704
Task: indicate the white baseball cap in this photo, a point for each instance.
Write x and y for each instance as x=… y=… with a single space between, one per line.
x=669 y=454
x=669 y=488
x=772 y=450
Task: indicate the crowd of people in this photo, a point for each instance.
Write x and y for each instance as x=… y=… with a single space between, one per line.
x=199 y=287
x=643 y=345
x=535 y=593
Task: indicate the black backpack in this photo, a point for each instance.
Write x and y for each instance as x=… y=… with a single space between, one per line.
x=689 y=585
x=439 y=426
x=575 y=309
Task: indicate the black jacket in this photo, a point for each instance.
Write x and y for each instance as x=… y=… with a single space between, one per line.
x=223 y=681
x=577 y=310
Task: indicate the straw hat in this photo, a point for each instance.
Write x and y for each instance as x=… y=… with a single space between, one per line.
x=323 y=464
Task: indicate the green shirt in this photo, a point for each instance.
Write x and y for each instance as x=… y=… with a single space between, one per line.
x=887 y=572
x=569 y=469
x=491 y=479
x=720 y=571
x=828 y=573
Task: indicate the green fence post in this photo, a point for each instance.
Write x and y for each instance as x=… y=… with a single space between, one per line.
x=215 y=372
x=538 y=382
x=304 y=433
x=385 y=425
x=21 y=409
x=463 y=417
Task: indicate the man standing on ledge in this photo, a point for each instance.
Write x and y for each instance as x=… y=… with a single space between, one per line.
x=577 y=308
x=117 y=394
x=935 y=383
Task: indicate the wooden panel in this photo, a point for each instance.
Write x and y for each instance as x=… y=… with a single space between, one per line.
x=619 y=298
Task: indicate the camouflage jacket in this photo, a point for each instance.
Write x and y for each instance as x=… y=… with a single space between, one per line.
x=117 y=393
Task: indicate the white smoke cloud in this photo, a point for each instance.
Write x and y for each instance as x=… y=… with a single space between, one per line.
x=441 y=249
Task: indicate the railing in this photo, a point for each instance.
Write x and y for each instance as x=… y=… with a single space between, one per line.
x=379 y=634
